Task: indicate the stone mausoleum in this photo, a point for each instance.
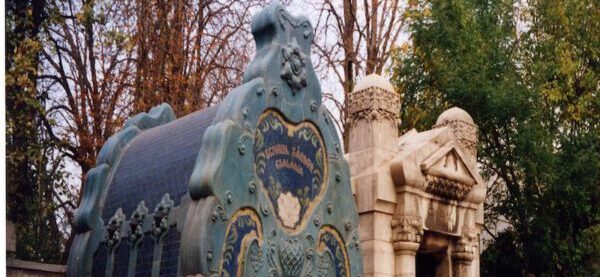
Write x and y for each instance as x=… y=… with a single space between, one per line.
x=254 y=186
x=419 y=195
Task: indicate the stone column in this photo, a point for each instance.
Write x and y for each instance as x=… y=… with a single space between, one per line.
x=407 y=232
x=373 y=132
x=464 y=252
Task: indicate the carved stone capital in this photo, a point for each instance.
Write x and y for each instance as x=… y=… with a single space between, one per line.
x=465 y=249
x=374 y=103
x=407 y=232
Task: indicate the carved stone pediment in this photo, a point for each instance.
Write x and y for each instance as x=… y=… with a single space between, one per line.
x=449 y=173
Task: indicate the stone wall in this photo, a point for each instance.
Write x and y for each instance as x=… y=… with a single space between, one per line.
x=20 y=268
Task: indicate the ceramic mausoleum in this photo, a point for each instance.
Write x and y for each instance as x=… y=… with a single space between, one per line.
x=254 y=186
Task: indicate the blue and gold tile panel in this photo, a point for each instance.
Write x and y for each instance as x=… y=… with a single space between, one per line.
x=333 y=258
x=290 y=162
x=244 y=233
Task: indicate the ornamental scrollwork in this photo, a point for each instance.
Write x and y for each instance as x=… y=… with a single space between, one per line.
x=293 y=69
x=333 y=258
x=285 y=151
x=246 y=252
x=325 y=264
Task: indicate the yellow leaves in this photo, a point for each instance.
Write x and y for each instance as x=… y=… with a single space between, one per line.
x=552 y=92
x=404 y=48
x=86 y=15
x=24 y=65
x=427 y=12
x=417 y=10
x=80 y=16
x=567 y=66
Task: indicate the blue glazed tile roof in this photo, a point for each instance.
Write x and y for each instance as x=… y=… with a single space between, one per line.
x=158 y=161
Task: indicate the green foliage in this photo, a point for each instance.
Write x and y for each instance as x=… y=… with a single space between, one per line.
x=495 y=261
x=529 y=74
x=33 y=173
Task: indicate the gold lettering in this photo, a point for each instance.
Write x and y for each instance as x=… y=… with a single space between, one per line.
x=283 y=163
x=296 y=153
x=277 y=149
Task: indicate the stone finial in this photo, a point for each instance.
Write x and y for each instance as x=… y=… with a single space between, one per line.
x=463 y=127
x=374 y=98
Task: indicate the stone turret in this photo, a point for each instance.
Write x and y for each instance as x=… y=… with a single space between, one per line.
x=374 y=119
x=374 y=109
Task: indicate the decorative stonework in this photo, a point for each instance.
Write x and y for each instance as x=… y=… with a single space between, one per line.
x=448 y=174
x=466 y=133
x=255 y=256
x=136 y=235
x=374 y=103
x=447 y=188
x=437 y=188
x=466 y=247
x=406 y=228
x=244 y=228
